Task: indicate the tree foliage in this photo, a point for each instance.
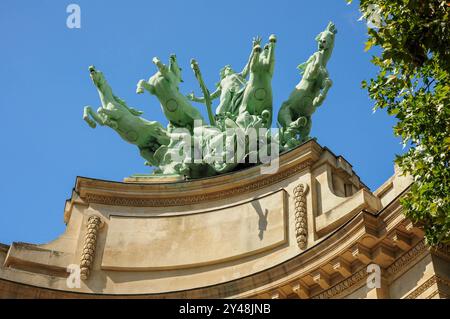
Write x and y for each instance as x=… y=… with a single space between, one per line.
x=413 y=84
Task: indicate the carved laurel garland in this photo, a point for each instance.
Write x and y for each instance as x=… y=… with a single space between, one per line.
x=188 y=200
x=301 y=222
x=90 y=241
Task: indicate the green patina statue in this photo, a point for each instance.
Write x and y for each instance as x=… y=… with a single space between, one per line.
x=148 y=136
x=238 y=134
x=257 y=99
x=164 y=85
x=230 y=89
x=295 y=114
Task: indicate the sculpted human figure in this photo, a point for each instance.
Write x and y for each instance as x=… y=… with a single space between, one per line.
x=257 y=99
x=295 y=113
x=229 y=89
x=164 y=85
x=148 y=136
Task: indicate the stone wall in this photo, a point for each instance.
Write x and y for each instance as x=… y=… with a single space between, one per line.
x=308 y=231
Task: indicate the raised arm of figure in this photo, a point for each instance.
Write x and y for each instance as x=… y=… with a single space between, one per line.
x=192 y=97
x=246 y=69
x=213 y=96
x=244 y=73
x=255 y=42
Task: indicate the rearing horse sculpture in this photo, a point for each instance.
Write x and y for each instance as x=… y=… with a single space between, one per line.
x=257 y=99
x=164 y=84
x=148 y=136
x=295 y=113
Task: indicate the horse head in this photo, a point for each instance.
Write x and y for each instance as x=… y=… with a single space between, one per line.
x=97 y=77
x=325 y=40
x=102 y=86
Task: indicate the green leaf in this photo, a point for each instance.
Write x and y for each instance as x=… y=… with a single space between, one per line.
x=391 y=78
x=368 y=45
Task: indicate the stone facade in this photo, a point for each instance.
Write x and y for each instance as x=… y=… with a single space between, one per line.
x=308 y=231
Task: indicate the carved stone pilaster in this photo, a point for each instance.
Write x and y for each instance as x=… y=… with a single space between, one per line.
x=90 y=240
x=301 y=222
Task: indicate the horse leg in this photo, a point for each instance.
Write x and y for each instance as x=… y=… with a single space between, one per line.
x=144 y=85
x=285 y=115
x=287 y=134
x=306 y=129
x=326 y=85
x=110 y=117
x=160 y=66
x=91 y=117
x=271 y=54
x=148 y=156
x=301 y=121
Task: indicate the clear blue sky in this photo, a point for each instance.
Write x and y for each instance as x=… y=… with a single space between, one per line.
x=44 y=84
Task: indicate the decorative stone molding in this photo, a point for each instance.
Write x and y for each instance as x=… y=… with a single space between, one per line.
x=90 y=240
x=117 y=200
x=344 y=285
x=422 y=288
x=440 y=281
x=321 y=278
x=407 y=258
x=342 y=266
x=300 y=289
x=301 y=222
x=361 y=274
